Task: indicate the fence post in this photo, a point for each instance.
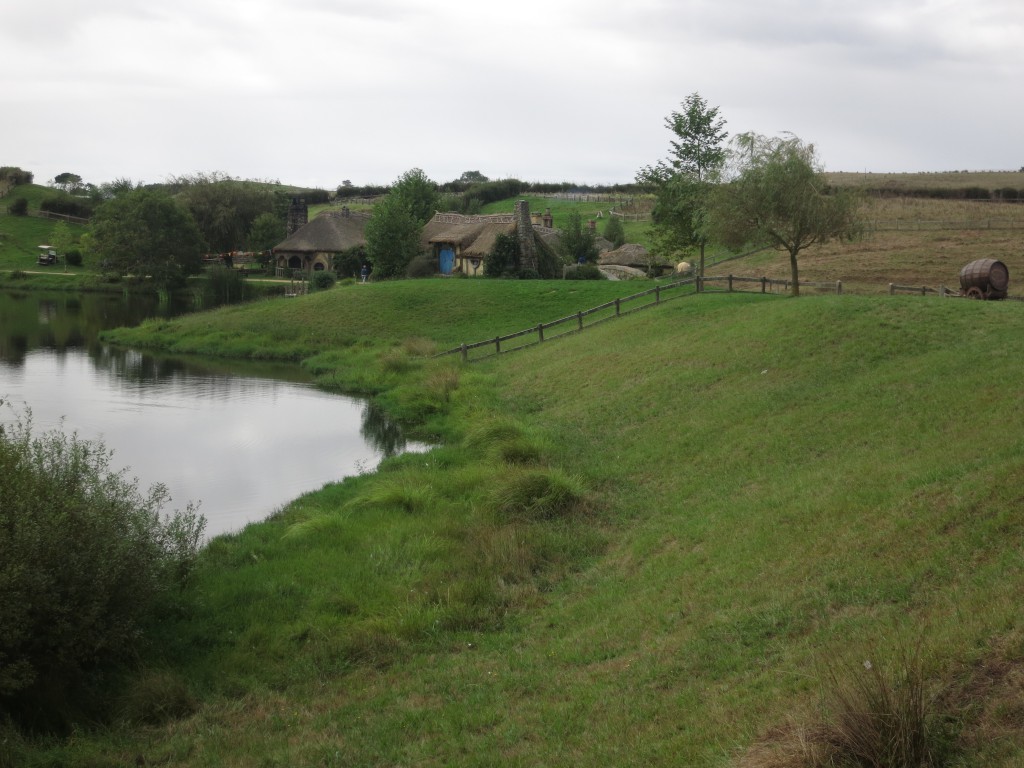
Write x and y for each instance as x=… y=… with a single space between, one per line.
x=892 y=289
x=579 y=319
x=616 y=307
x=497 y=345
x=730 y=283
x=657 y=294
x=540 y=331
x=942 y=291
x=764 y=281
x=700 y=283
x=924 y=290
x=839 y=287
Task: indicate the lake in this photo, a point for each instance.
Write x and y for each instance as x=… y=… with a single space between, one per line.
x=240 y=440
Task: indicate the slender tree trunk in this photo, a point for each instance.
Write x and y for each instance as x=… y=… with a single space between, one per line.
x=701 y=273
x=794 y=273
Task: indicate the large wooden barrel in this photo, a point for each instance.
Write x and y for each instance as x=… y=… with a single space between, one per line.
x=985 y=278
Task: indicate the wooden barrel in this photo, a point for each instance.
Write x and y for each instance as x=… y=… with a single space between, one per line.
x=989 y=276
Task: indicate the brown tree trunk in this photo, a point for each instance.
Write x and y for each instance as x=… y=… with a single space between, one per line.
x=794 y=274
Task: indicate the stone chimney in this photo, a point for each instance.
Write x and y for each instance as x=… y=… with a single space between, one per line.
x=298 y=214
x=527 y=246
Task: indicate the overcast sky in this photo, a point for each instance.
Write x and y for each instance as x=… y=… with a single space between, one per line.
x=313 y=92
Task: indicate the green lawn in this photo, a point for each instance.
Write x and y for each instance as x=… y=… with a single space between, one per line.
x=641 y=545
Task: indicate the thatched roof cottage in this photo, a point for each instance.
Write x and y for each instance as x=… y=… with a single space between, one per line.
x=313 y=246
x=460 y=243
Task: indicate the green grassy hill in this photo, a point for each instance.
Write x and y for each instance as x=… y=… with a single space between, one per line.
x=653 y=543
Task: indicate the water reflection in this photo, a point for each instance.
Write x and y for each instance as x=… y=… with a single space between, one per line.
x=241 y=439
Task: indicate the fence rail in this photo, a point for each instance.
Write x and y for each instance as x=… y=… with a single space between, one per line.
x=570 y=324
x=60 y=217
x=588 y=318
x=917 y=225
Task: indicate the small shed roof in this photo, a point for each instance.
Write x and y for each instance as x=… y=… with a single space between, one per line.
x=330 y=232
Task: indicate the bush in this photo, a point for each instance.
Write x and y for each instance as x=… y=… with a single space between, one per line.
x=67 y=206
x=614 y=232
x=584 y=272
x=73 y=258
x=18 y=207
x=322 y=280
x=423 y=265
x=503 y=260
x=89 y=564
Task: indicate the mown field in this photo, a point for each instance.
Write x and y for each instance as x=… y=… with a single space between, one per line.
x=652 y=543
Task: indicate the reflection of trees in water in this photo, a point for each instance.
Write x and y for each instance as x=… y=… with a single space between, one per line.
x=380 y=431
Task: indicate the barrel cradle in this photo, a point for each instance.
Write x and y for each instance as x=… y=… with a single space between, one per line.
x=985 y=279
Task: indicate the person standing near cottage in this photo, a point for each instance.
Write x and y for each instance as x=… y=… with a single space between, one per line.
x=364 y=272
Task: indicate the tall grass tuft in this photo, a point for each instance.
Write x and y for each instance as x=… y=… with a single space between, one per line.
x=538 y=494
x=878 y=716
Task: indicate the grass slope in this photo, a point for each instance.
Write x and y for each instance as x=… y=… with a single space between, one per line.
x=758 y=487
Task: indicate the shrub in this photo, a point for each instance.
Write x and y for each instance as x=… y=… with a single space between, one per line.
x=584 y=272
x=423 y=265
x=89 y=564
x=73 y=258
x=18 y=274
x=18 y=207
x=323 y=280
x=614 y=232
x=503 y=260
x=67 y=206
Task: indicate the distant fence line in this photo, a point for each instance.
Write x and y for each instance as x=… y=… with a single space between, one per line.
x=656 y=296
x=916 y=225
x=60 y=217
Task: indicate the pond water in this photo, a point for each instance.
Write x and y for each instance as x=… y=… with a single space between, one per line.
x=239 y=440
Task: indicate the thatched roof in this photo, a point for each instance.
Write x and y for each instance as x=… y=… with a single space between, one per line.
x=632 y=255
x=330 y=232
x=475 y=235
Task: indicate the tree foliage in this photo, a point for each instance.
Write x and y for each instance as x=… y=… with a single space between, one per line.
x=267 y=230
x=577 y=243
x=392 y=237
x=225 y=209
x=781 y=198
x=684 y=182
x=89 y=562
x=147 y=233
x=614 y=232
x=393 y=231
x=69 y=182
x=417 y=193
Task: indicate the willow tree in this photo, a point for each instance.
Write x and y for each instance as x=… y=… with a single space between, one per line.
x=780 y=197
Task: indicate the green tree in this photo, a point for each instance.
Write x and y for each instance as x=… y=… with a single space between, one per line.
x=473 y=177
x=417 y=193
x=781 y=198
x=224 y=209
x=89 y=565
x=685 y=181
x=393 y=231
x=147 y=233
x=267 y=230
x=614 y=232
x=392 y=237
x=69 y=182
x=577 y=243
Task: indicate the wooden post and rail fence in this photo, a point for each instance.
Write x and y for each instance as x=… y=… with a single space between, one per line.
x=656 y=296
